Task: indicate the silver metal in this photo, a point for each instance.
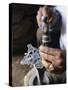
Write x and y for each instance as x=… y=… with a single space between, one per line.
x=32 y=57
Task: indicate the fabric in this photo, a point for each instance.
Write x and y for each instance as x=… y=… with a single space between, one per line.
x=51 y=78
x=62 y=10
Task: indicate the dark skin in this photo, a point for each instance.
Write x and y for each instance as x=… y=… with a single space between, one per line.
x=44 y=11
x=52 y=58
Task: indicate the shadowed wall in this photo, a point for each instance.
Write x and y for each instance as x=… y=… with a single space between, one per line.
x=24 y=26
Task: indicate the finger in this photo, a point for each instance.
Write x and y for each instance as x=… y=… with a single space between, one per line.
x=44 y=11
x=38 y=20
x=45 y=63
x=55 y=61
x=43 y=49
x=39 y=11
x=51 y=51
x=47 y=57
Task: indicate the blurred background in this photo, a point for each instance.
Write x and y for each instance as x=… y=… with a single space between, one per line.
x=22 y=31
x=23 y=26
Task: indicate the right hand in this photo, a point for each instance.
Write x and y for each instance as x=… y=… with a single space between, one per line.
x=52 y=59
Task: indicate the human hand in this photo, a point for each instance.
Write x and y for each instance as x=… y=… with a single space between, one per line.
x=41 y=13
x=51 y=58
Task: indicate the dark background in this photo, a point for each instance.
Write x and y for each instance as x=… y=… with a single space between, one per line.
x=23 y=26
x=22 y=30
